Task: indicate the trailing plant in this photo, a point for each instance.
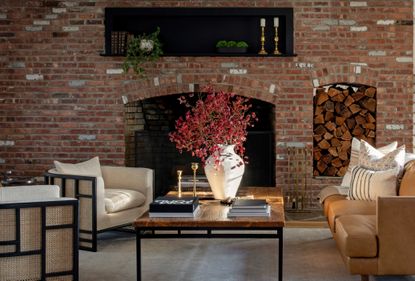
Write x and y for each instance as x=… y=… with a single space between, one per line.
x=140 y=49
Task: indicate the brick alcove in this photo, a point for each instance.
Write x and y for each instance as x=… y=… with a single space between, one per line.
x=341 y=111
x=149 y=121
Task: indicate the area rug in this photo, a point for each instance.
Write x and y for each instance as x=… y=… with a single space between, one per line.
x=310 y=254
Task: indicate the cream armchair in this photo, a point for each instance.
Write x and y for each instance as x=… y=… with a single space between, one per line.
x=38 y=234
x=106 y=202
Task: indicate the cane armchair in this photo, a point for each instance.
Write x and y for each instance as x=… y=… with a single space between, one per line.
x=38 y=234
x=112 y=198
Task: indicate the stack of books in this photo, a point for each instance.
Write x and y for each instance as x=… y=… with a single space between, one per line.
x=119 y=42
x=249 y=208
x=201 y=182
x=173 y=206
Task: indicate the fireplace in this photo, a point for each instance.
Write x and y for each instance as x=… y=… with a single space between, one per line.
x=152 y=119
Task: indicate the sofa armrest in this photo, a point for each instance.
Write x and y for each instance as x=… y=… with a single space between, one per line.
x=396 y=234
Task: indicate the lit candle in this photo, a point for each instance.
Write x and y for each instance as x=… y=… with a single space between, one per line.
x=276 y=22
x=262 y=22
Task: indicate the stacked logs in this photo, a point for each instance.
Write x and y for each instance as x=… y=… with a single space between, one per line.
x=341 y=112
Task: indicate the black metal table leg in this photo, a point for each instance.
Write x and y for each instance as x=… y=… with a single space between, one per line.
x=280 y=243
x=150 y=233
x=138 y=254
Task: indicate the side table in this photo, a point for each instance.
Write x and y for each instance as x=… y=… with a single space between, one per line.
x=19 y=180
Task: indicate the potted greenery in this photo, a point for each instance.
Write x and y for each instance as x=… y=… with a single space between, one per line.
x=224 y=46
x=141 y=49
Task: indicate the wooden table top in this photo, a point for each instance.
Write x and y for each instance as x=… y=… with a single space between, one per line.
x=214 y=215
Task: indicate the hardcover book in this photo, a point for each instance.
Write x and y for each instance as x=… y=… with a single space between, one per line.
x=170 y=204
x=174 y=214
x=250 y=204
x=250 y=212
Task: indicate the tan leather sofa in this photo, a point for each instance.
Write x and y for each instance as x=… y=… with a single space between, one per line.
x=376 y=237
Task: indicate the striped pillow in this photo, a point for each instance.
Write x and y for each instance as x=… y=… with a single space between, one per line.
x=368 y=184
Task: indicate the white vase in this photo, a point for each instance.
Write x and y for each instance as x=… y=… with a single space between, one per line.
x=146 y=45
x=225 y=179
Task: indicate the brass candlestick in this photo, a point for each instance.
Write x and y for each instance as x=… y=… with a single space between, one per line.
x=195 y=166
x=262 y=51
x=276 y=51
x=179 y=182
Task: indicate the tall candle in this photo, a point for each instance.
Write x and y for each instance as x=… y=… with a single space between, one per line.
x=276 y=22
x=262 y=22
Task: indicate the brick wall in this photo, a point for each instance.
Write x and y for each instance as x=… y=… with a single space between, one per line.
x=61 y=100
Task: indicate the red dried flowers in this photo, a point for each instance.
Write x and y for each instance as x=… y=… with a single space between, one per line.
x=219 y=118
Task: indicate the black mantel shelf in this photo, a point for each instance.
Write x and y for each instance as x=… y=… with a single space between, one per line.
x=195 y=31
x=212 y=55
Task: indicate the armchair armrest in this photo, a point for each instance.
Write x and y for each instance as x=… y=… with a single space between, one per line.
x=89 y=190
x=136 y=178
x=49 y=236
x=396 y=234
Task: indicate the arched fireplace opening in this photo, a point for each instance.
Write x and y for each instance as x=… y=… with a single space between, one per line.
x=149 y=121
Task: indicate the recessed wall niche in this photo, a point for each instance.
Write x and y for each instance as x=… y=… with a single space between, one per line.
x=195 y=31
x=341 y=111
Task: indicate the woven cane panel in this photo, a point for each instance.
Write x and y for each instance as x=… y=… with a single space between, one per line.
x=59 y=215
x=7 y=249
x=7 y=225
x=30 y=229
x=59 y=250
x=60 y=278
x=57 y=181
x=85 y=187
x=85 y=235
x=22 y=268
x=85 y=213
x=85 y=244
x=70 y=188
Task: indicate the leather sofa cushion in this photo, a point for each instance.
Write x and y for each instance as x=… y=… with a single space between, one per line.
x=329 y=200
x=356 y=236
x=407 y=186
x=349 y=207
x=122 y=199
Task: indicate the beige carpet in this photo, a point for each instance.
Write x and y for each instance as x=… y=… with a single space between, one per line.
x=310 y=254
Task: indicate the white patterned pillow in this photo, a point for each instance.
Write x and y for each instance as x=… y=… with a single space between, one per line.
x=354 y=157
x=371 y=158
x=409 y=157
x=368 y=184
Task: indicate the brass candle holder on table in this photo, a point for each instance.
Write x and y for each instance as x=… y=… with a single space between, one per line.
x=262 y=51
x=194 y=166
x=276 y=24
x=179 y=182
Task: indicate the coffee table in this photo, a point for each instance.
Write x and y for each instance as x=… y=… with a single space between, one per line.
x=212 y=217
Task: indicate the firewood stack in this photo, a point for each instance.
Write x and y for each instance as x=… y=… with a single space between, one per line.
x=340 y=113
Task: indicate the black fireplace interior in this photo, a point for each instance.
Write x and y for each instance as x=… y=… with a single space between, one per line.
x=154 y=150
